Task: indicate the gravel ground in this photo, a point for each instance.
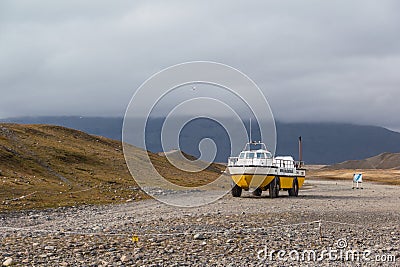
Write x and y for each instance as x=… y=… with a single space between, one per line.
x=327 y=215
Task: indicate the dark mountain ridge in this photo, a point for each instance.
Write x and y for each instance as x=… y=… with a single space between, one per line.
x=323 y=143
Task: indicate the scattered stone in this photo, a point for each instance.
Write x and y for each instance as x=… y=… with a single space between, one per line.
x=138 y=256
x=8 y=262
x=123 y=258
x=96 y=228
x=101 y=235
x=199 y=237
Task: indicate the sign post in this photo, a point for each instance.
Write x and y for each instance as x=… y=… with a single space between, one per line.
x=357 y=179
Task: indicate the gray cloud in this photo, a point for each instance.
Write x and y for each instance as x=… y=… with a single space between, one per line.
x=314 y=60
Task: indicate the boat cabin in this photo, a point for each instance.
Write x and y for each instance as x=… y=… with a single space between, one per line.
x=256 y=154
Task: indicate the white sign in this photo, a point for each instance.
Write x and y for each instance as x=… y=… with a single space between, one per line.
x=357 y=178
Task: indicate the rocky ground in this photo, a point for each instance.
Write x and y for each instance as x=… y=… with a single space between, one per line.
x=328 y=215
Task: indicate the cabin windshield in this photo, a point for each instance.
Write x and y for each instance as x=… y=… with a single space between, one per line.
x=269 y=155
x=249 y=155
x=241 y=156
x=260 y=155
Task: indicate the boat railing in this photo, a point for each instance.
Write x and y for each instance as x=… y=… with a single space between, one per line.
x=232 y=160
x=248 y=146
x=288 y=164
x=299 y=164
x=281 y=163
x=284 y=163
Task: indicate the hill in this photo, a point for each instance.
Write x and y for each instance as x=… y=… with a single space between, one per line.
x=177 y=157
x=50 y=166
x=382 y=176
x=381 y=161
x=383 y=168
x=324 y=143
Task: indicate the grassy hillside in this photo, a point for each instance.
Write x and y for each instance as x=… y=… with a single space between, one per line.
x=49 y=166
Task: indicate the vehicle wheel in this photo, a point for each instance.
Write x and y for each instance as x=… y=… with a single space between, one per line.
x=294 y=191
x=274 y=188
x=236 y=190
x=277 y=187
x=257 y=192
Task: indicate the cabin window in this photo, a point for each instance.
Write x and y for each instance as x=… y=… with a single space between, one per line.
x=269 y=155
x=241 y=156
x=249 y=155
x=260 y=155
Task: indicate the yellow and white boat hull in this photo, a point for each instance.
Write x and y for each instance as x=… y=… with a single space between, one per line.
x=260 y=177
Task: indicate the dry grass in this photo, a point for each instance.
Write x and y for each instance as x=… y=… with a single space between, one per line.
x=185 y=178
x=382 y=176
x=55 y=166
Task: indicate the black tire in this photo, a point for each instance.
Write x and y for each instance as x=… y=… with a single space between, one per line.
x=274 y=188
x=236 y=190
x=257 y=192
x=278 y=186
x=294 y=191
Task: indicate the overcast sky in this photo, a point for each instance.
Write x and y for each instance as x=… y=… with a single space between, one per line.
x=314 y=60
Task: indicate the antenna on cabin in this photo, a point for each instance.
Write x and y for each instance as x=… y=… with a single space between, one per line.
x=250 y=132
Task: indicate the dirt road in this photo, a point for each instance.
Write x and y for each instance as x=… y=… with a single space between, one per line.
x=327 y=216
